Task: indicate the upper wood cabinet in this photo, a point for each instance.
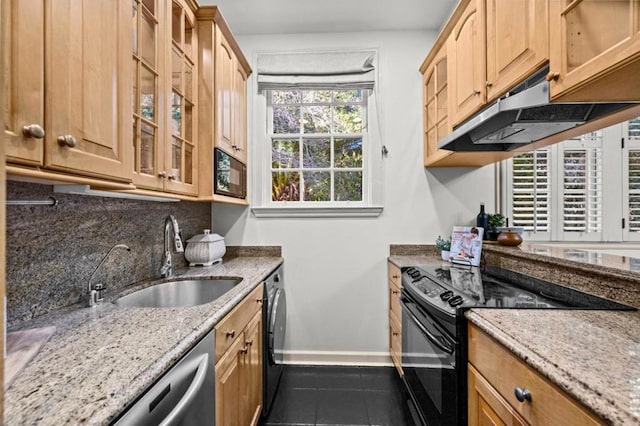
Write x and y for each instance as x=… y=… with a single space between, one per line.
x=517 y=39
x=436 y=85
x=436 y=105
x=224 y=79
x=486 y=48
x=493 y=46
x=466 y=55
x=595 y=50
x=181 y=147
x=24 y=82
x=108 y=93
x=222 y=91
x=239 y=108
x=165 y=96
x=69 y=87
x=232 y=71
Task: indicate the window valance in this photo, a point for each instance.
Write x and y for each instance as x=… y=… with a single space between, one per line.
x=327 y=70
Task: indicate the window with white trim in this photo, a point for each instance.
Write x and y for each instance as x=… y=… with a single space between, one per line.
x=316 y=129
x=318 y=146
x=584 y=189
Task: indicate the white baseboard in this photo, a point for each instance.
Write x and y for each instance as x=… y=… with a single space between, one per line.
x=337 y=358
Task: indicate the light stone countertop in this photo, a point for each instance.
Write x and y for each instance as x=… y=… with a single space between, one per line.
x=593 y=355
x=102 y=358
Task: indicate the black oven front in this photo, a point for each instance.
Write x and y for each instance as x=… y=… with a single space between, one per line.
x=429 y=353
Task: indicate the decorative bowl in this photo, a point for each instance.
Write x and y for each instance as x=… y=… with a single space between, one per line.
x=205 y=249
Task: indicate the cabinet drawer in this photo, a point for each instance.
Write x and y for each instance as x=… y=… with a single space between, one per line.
x=394 y=302
x=505 y=371
x=394 y=274
x=231 y=326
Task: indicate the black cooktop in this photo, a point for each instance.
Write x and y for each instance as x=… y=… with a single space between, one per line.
x=451 y=287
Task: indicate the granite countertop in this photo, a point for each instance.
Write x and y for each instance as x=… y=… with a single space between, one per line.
x=594 y=356
x=101 y=358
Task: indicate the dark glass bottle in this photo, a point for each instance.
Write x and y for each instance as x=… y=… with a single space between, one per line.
x=482 y=221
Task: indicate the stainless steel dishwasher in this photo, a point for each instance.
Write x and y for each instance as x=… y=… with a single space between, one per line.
x=184 y=395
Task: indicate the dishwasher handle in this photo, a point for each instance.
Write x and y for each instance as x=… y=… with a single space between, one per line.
x=192 y=391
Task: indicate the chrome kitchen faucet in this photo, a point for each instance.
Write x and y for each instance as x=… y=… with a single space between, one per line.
x=95 y=292
x=166 y=269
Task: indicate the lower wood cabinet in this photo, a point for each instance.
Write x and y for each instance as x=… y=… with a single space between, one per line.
x=239 y=366
x=395 y=317
x=503 y=390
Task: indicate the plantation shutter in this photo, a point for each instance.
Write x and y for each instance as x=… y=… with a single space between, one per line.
x=317 y=70
x=634 y=175
x=634 y=190
x=530 y=190
x=582 y=190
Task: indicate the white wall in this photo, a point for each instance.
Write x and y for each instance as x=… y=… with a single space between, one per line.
x=336 y=268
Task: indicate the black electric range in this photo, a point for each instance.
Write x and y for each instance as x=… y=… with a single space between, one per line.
x=434 y=299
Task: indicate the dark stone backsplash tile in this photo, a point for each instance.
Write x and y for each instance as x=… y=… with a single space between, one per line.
x=253 y=251
x=413 y=250
x=52 y=251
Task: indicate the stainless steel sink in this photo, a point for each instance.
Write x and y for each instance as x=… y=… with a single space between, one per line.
x=177 y=294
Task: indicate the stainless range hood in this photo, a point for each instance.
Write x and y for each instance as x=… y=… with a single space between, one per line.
x=522 y=116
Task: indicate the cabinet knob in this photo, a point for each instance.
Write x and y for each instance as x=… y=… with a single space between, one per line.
x=522 y=395
x=244 y=350
x=162 y=174
x=231 y=334
x=172 y=177
x=476 y=92
x=395 y=292
x=488 y=84
x=67 y=140
x=259 y=301
x=553 y=76
x=395 y=277
x=249 y=342
x=33 y=131
x=396 y=333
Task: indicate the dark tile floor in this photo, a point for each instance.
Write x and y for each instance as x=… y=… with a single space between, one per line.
x=319 y=395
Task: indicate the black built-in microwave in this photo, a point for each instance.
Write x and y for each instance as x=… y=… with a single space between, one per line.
x=229 y=175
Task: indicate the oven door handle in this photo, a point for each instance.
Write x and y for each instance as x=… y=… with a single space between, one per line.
x=427 y=333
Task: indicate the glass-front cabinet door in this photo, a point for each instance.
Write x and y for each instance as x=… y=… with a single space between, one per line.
x=164 y=51
x=180 y=149
x=146 y=81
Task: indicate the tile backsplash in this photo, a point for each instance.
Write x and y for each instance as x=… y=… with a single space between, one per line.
x=52 y=251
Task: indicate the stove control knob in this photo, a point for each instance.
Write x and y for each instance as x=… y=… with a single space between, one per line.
x=446 y=295
x=456 y=301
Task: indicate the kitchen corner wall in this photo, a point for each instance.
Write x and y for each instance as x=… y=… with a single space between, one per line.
x=52 y=251
x=336 y=269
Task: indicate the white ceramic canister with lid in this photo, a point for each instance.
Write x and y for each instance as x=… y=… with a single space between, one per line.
x=205 y=249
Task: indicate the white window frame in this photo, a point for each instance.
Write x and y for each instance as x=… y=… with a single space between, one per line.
x=260 y=168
